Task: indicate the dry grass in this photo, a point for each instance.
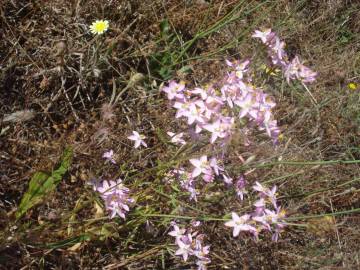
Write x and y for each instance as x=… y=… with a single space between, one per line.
x=48 y=64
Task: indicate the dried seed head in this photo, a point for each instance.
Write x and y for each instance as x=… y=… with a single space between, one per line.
x=101 y=135
x=60 y=48
x=60 y=51
x=107 y=111
x=135 y=79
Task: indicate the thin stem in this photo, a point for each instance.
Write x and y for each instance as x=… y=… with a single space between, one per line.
x=204 y=218
x=352 y=211
x=308 y=163
x=283 y=177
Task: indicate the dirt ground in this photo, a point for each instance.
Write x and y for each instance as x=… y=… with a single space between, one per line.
x=61 y=79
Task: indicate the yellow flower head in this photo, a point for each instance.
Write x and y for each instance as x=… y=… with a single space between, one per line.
x=99 y=27
x=352 y=86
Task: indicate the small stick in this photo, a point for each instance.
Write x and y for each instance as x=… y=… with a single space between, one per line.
x=63 y=81
x=311 y=95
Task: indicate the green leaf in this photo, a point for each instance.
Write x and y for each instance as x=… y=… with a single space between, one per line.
x=165 y=73
x=185 y=70
x=41 y=184
x=164 y=28
x=68 y=242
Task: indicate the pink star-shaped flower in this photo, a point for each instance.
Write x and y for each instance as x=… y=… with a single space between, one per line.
x=109 y=155
x=138 y=139
x=240 y=224
x=201 y=166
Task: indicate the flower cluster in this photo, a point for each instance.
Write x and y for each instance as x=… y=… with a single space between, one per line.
x=213 y=112
x=115 y=196
x=190 y=243
x=215 y=108
x=263 y=218
x=293 y=69
x=185 y=179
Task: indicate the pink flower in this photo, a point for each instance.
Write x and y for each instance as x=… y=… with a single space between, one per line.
x=190 y=246
x=260 y=188
x=201 y=166
x=272 y=130
x=201 y=92
x=183 y=107
x=267 y=193
x=260 y=207
x=293 y=69
x=176 y=138
x=208 y=177
x=307 y=75
x=221 y=128
x=240 y=224
x=109 y=156
x=265 y=35
x=240 y=187
x=115 y=196
x=202 y=264
x=213 y=105
x=296 y=70
x=263 y=219
x=272 y=196
x=177 y=232
x=214 y=165
x=278 y=53
x=138 y=139
x=272 y=218
x=188 y=183
x=201 y=252
x=195 y=113
x=239 y=69
x=246 y=104
x=227 y=180
x=230 y=92
x=184 y=244
x=195 y=223
x=174 y=90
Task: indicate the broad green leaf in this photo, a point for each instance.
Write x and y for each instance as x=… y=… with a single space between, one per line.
x=41 y=184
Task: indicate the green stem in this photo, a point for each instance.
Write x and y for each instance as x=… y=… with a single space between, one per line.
x=283 y=177
x=320 y=190
x=180 y=202
x=352 y=211
x=308 y=163
x=296 y=224
x=204 y=218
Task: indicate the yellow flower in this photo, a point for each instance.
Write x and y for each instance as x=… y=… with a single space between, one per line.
x=99 y=27
x=352 y=86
